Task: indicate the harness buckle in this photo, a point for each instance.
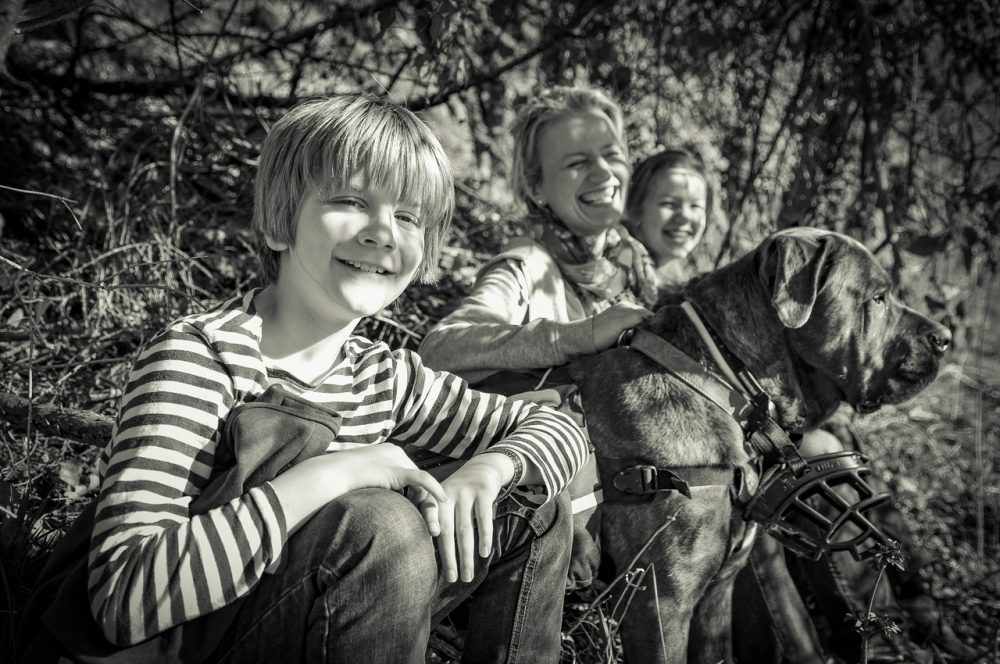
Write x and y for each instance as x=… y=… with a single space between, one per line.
x=643 y=479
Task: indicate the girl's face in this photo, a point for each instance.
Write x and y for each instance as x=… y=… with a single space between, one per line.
x=584 y=172
x=672 y=219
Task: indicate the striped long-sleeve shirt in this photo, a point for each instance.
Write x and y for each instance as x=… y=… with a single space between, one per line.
x=154 y=565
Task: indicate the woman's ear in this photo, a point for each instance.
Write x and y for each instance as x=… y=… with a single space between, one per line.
x=275 y=245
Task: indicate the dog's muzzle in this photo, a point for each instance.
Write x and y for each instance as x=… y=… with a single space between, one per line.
x=823 y=508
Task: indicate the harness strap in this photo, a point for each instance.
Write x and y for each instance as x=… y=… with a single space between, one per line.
x=693 y=375
x=630 y=481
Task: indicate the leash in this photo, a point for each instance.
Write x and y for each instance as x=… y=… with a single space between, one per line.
x=742 y=398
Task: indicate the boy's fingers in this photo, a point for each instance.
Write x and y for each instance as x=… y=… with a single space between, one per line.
x=484 y=522
x=446 y=543
x=429 y=510
x=465 y=535
x=424 y=480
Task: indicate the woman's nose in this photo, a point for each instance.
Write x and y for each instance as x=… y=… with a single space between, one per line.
x=601 y=170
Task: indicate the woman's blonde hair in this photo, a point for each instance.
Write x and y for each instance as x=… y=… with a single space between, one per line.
x=533 y=115
x=320 y=145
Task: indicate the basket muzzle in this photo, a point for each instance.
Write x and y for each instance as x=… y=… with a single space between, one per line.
x=823 y=508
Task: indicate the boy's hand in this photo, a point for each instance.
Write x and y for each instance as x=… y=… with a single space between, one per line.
x=471 y=490
x=306 y=487
x=611 y=322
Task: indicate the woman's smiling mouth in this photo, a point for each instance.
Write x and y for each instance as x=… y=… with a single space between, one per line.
x=604 y=196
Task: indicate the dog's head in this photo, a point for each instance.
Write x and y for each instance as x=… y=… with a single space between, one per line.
x=842 y=321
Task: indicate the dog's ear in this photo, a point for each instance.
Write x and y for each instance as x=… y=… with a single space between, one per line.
x=791 y=271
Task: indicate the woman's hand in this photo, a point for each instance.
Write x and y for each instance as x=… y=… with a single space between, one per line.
x=610 y=323
x=471 y=491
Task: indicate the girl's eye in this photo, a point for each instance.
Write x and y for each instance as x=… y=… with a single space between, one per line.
x=408 y=218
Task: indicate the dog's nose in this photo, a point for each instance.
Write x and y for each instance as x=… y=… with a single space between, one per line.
x=940 y=338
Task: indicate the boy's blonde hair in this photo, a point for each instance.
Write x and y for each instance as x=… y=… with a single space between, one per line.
x=322 y=144
x=533 y=115
x=647 y=169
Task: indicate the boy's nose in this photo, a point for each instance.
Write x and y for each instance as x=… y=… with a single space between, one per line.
x=379 y=232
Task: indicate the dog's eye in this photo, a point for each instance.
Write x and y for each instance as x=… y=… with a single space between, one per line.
x=879 y=298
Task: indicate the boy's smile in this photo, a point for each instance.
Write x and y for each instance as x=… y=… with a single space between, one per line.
x=355 y=251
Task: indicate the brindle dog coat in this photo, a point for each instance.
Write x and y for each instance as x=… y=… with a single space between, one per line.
x=812 y=315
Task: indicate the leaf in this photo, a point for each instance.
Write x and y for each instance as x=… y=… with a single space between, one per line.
x=437 y=27
x=386 y=17
x=16 y=317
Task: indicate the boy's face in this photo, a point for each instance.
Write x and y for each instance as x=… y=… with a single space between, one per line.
x=355 y=252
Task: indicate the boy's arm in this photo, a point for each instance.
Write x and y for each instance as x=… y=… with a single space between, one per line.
x=439 y=411
x=488 y=332
x=152 y=564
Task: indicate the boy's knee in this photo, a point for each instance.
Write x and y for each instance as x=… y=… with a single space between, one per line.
x=818 y=441
x=383 y=526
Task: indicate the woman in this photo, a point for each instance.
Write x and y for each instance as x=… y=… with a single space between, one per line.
x=576 y=280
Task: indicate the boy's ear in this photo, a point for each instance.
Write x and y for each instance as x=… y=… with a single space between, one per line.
x=275 y=245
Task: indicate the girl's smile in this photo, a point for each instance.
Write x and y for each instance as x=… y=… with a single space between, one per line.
x=673 y=216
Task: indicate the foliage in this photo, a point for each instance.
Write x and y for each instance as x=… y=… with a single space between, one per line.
x=129 y=134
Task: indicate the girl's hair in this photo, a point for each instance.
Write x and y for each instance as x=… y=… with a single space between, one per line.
x=321 y=145
x=650 y=167
x=525 y=168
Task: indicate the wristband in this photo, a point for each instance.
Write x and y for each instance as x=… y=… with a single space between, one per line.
x=518 y=468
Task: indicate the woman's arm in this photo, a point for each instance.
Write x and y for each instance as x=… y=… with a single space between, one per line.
x=488 y=332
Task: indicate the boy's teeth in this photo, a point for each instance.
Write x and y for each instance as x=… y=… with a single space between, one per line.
x=365 y=268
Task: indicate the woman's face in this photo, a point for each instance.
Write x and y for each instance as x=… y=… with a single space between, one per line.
x=673 y=216
x=584 y=170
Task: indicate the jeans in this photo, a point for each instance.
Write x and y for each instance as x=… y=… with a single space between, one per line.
x=360 y=583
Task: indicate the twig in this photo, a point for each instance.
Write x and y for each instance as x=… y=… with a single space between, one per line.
x=62 y=199
x=604 y=593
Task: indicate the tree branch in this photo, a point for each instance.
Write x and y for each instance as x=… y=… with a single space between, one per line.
x=82 y=426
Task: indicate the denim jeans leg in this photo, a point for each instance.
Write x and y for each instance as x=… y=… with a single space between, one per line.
x=357 y=585
x=516 y=597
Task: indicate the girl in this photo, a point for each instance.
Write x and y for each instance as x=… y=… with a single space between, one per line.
x=668 y=210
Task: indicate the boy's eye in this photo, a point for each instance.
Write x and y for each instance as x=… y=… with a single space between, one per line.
x=349 y=201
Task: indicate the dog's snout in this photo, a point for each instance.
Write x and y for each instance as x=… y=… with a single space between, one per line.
x=940 y=337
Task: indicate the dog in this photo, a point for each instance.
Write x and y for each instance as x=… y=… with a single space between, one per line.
x=812 y=315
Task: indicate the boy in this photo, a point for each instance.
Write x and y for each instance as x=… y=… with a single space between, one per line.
x=328 y=560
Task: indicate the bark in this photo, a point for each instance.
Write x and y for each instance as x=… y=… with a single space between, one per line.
x=78 y=425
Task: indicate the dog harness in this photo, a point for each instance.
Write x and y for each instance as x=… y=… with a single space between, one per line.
x=790 y=490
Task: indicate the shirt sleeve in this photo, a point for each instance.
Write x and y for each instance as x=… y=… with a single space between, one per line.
x=152 y=564
x=489 y=330
x=438 y=411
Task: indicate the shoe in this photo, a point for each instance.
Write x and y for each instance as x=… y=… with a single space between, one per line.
x=929 y=628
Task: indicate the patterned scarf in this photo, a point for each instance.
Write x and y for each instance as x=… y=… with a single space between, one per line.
x=622 y=270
